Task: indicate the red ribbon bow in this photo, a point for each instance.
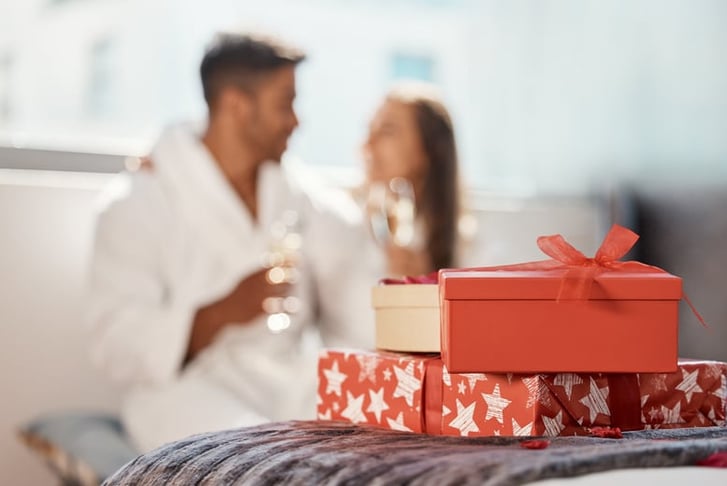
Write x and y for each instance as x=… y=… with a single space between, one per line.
x=576 y=283
x=580 y=270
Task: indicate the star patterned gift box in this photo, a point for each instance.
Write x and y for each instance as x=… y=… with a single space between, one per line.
x=416 y=393
x=372 y=387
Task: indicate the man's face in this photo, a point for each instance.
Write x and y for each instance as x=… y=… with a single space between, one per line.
x=272 y=119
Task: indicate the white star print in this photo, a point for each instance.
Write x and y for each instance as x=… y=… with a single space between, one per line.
x=673 y=415
x=335 y=379
x=712 y=416
x=655 y=414
x=407 y=384
x=595 y=401
x=463 y=421
x=473 y=378
x=367 y=365
x=545 y=398
x=713 y=372
x=387 y=374
x=658 y=382
x=644 y=399
x=353 y=410
x=495 y=404
x=461 y=387
x=567 y=381
x=721 y=392
x=689 y=384
x=497 y=432
x=398 y=424
x=335 y=407
x=445 y=411
x=553 y=426
x=521 y=431
x=509 y=378
x=325 y=415
x=533 y=384
x=446 y=378
x=377 y=404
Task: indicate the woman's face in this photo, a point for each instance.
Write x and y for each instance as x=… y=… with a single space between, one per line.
x=394 y=146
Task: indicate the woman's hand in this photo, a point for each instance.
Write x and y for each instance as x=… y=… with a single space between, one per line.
x=403 y=261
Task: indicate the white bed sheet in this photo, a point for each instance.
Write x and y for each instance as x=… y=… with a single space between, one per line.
x=660 y=476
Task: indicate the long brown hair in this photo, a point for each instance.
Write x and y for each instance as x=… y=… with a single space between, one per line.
x=438 y=204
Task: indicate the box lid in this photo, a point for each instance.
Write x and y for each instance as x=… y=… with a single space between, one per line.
x=405 y=295
x=545 y=285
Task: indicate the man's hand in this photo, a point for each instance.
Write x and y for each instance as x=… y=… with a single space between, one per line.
x=241 y=306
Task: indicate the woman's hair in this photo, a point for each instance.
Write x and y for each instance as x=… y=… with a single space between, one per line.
x=438 y=203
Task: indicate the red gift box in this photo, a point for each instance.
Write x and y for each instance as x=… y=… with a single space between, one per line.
x=417 y=393
x=569 y=314
x=379 y=388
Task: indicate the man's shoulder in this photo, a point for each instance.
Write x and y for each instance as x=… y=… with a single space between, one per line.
x=136 y=193
x=324 y=199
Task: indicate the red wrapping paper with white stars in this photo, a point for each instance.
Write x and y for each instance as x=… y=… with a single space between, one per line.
x=416 y=393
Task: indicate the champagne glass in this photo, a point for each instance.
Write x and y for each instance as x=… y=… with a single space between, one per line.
x=282 y=259
x=391 y=210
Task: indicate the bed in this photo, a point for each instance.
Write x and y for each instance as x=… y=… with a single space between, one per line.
x=318 y=452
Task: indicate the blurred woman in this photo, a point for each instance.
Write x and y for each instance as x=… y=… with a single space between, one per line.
x=411 y=154
x=402 y=221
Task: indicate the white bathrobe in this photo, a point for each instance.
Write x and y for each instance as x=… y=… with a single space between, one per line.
x=177 y=237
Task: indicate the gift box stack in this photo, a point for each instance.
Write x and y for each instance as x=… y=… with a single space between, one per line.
x=555 y=347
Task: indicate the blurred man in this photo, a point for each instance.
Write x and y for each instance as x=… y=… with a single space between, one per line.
x=178 y=287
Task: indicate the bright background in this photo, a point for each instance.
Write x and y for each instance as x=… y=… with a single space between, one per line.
x=556 y=104
x=548 y=95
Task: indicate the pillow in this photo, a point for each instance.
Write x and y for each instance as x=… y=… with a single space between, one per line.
x=81 y=448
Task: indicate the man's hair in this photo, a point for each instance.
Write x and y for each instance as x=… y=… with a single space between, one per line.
x=240 y=60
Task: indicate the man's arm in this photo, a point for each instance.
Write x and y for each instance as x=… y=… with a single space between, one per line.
x=139 y=331
x=242 y=305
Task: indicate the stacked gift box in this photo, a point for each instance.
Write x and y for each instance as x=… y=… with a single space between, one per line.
x=557 y=347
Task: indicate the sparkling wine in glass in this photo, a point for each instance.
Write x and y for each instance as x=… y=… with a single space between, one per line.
x=282 y=260
x=391 y=210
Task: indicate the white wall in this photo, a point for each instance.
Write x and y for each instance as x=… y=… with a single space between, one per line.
x=45 y=229
x=508 y=227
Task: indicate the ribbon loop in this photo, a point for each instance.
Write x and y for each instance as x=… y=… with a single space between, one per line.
x=577 y=283
x=560 y=250
x=616 y=245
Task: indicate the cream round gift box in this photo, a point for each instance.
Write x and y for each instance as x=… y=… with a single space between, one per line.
x=407 y=317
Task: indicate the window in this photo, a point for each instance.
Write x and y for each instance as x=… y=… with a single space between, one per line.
x=6 y=65
x=410 y=66
x=555 y=96
x=102 y=72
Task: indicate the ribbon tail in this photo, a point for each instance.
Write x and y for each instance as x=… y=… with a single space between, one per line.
x=695 y=312
x=577 y=283
x=433 y=397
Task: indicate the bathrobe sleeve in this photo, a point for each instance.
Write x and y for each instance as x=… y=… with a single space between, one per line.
x=336 y=249
x=139 y=331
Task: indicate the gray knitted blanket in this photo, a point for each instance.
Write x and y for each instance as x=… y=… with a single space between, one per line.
x=338 y=453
